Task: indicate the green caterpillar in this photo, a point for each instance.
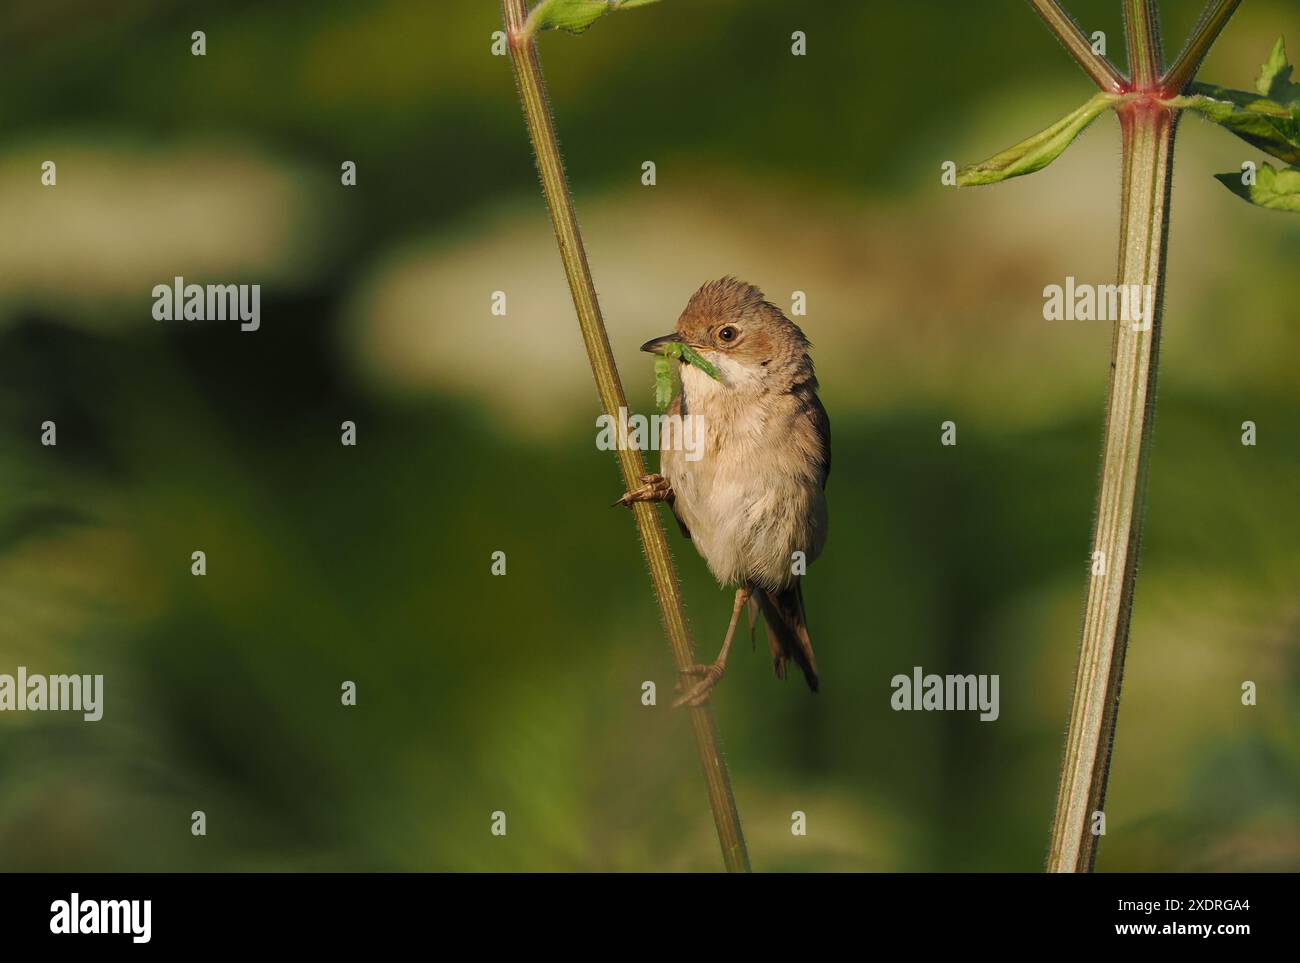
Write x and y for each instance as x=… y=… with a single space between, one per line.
x=664 y=371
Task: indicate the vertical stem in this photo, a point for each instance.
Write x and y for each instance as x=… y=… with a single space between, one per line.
x=1148 y=132
x=1148 y=151
x=541 y=130
x=1142 y=30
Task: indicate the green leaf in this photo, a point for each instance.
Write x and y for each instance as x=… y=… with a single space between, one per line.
x=1267 y=118
x=1259 y=121
x=1275 y=190
x=1038 y=151
x=1275 y=77
x=575 y=16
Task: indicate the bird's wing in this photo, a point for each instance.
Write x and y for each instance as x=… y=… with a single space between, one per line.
x=681 y=523
x=821 y=423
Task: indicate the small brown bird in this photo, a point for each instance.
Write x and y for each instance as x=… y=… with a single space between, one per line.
x=754 y=503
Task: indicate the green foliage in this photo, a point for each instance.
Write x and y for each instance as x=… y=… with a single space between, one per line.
x=576 y=16
x=1272 y=127
x=1277 y=190
x=1268 y=118
x=1275 y=77
x=1038 y=151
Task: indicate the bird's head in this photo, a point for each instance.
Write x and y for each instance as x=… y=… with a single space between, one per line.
x=754 y=346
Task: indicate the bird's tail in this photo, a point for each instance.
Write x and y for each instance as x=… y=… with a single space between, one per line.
x=787 y=631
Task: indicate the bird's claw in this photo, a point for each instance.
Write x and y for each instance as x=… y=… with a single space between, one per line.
x=654 y=488
x=698 y=694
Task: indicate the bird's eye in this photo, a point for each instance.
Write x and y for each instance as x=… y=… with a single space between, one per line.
x=728 y=333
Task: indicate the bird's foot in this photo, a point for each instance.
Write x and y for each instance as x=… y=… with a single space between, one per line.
x=698 y=694
x=654 y=488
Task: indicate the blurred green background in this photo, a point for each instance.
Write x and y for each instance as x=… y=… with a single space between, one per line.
x=476 y=434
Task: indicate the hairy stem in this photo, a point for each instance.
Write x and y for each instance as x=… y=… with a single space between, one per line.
x=541 y=130
x=1148 y=132
x=1142 y=30
x=1097 y=67
x=1214 y=18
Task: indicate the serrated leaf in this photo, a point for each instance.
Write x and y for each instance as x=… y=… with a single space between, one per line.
x=1275 y=190
x=1261 y=122
x=1038 y=151
x=575 y=16
x=1275 y=77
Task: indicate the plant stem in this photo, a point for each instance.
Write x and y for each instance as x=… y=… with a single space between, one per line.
x=1148 y=133
x=541 y=130
x=1213 y=19
x=1071 y=36
x=1142 y=30
x=1148 y=157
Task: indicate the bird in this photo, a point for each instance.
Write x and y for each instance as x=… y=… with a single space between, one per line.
x=753 y=500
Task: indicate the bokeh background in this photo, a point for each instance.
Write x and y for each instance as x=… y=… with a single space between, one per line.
x=476 y=434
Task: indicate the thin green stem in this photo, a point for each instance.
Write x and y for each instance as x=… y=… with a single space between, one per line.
x=541 y=130
x=1061 y=24
x=1148 y=133
x=1214 y=18
x=1142 y=30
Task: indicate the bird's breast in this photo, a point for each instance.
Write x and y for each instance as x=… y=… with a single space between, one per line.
x=750 y=501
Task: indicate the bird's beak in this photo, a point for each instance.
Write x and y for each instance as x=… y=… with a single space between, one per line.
x=656 y=345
